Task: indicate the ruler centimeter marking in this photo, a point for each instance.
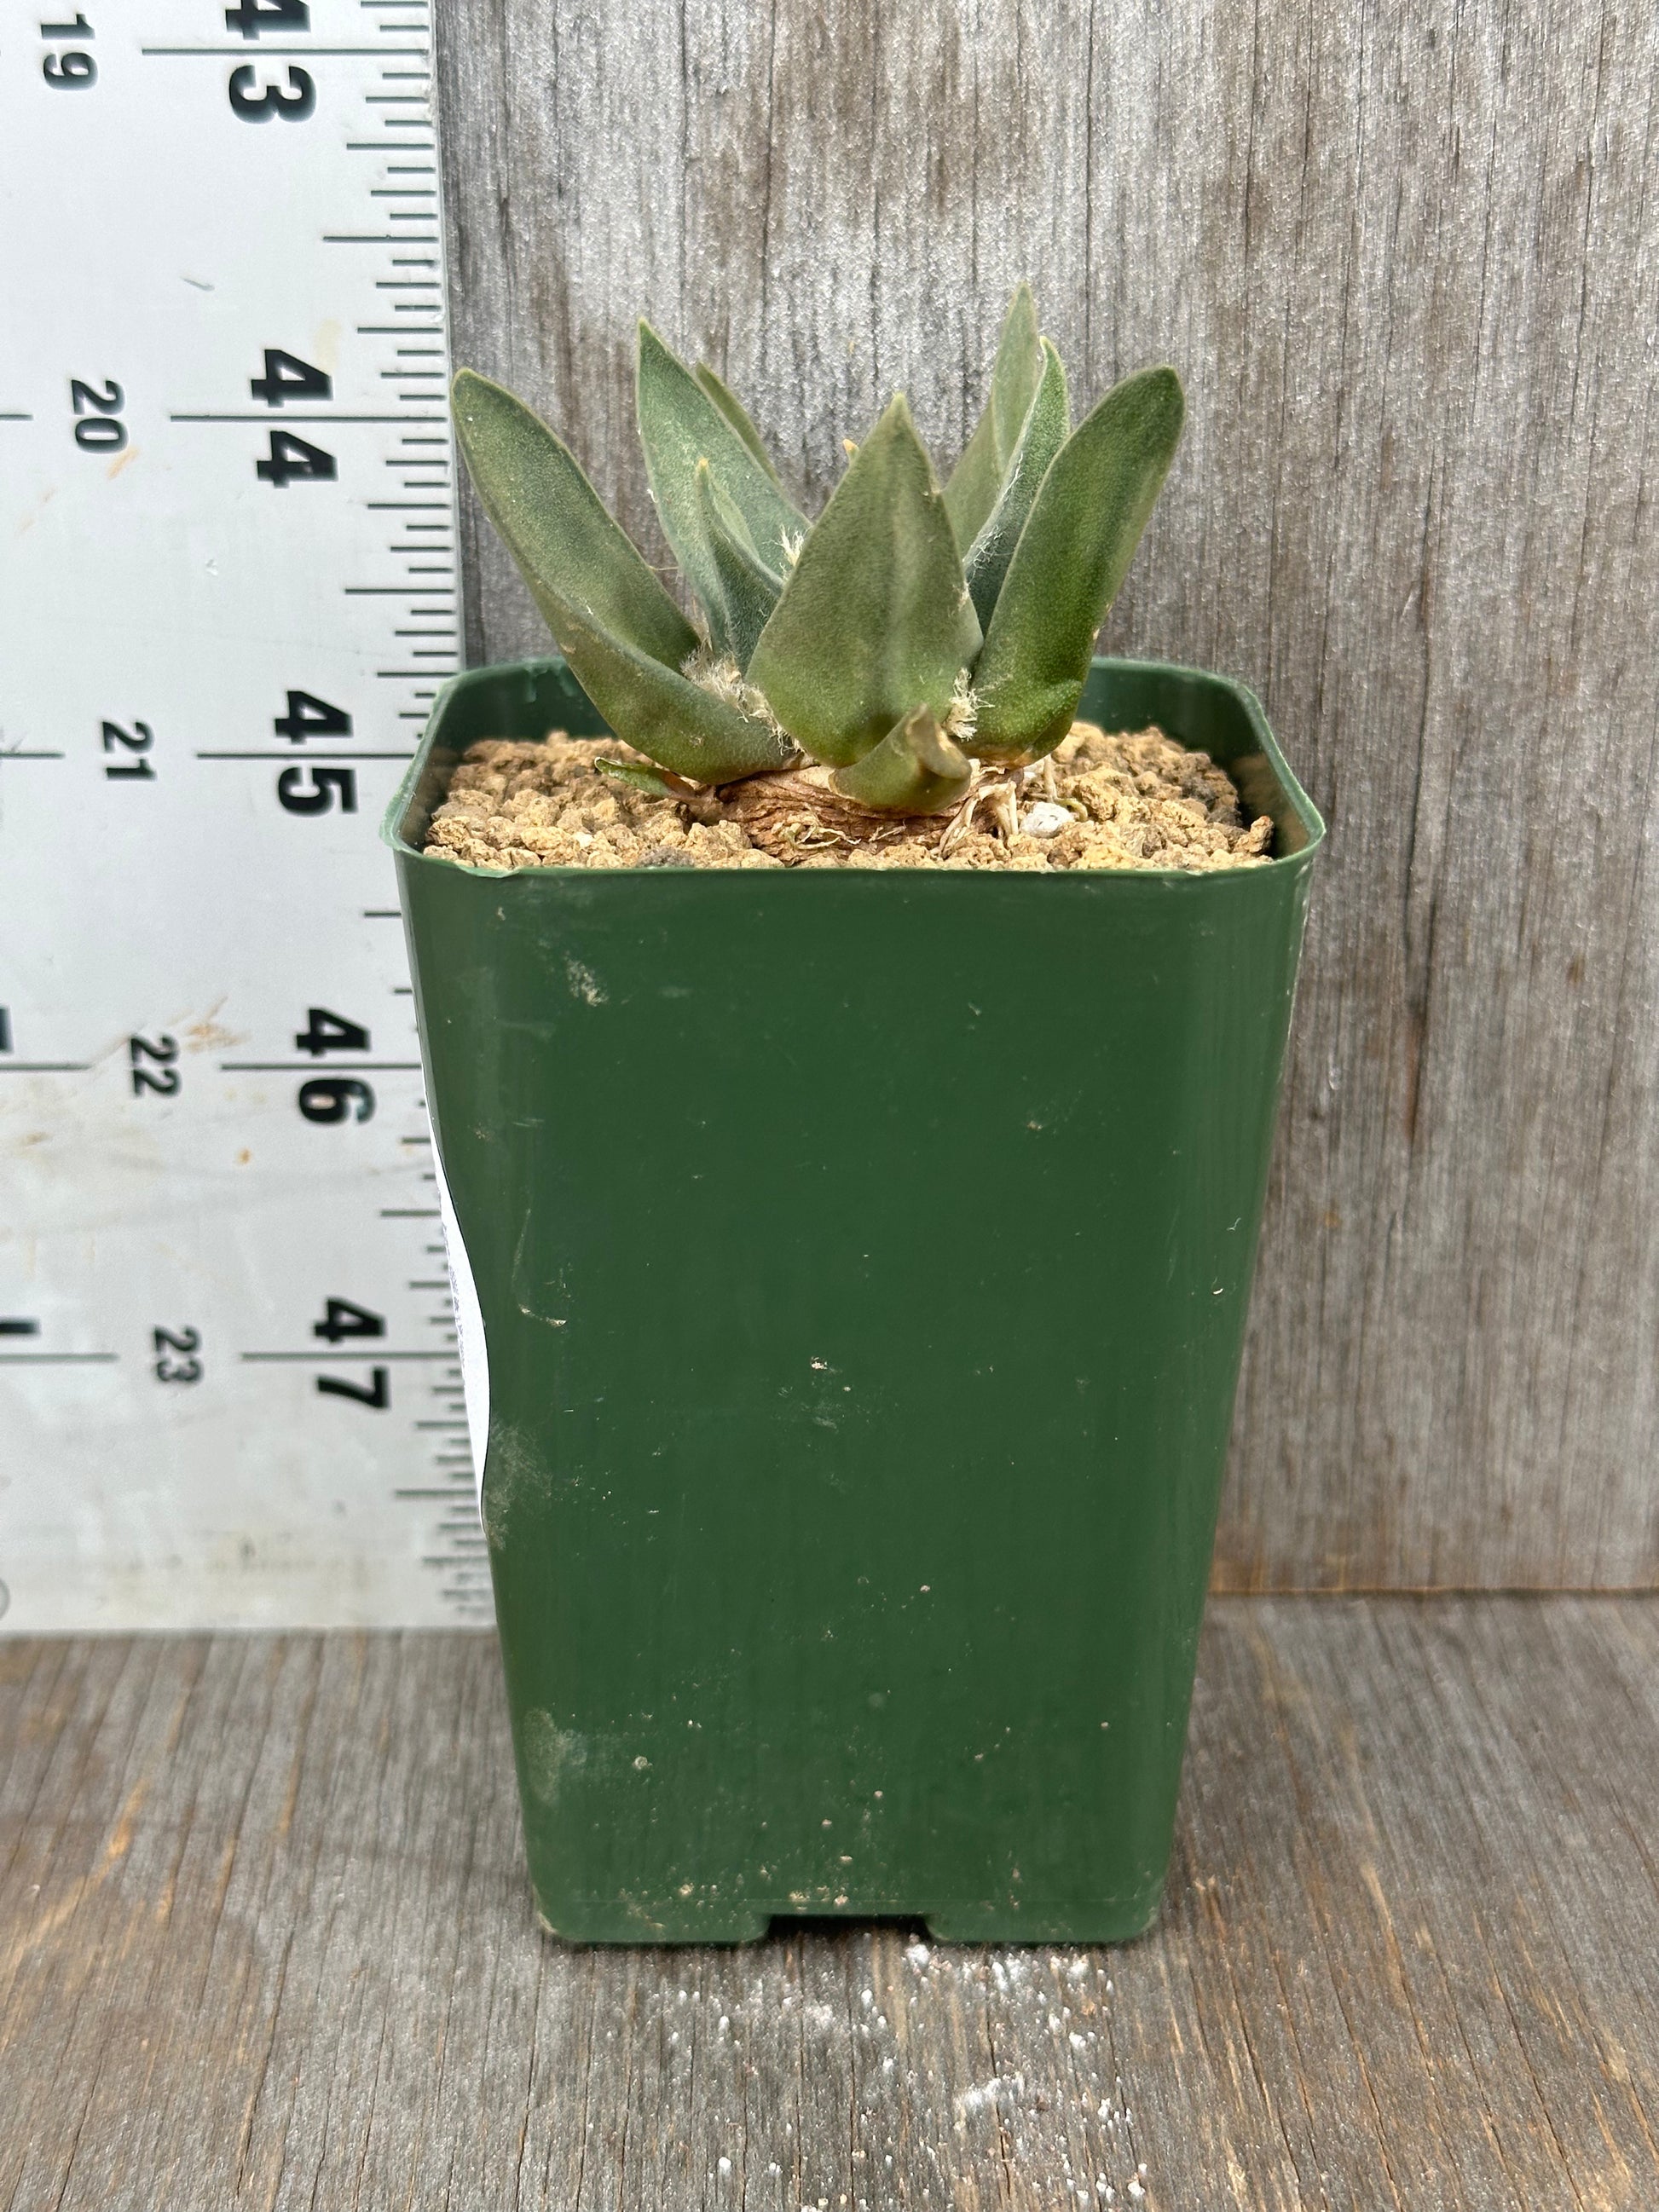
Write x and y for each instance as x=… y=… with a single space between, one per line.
x=232 y=1394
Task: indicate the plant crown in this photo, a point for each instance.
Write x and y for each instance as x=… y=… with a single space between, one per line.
x=904 y=633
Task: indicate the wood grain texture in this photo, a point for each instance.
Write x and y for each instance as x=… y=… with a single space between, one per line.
x=1405 y=261
x=265 y=1940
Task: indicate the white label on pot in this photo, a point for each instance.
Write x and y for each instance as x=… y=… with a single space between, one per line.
x=469 y=1329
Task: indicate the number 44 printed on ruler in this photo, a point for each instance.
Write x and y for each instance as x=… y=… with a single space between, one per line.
x=287 y=377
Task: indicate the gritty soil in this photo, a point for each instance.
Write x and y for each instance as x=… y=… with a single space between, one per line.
x=1100 y=801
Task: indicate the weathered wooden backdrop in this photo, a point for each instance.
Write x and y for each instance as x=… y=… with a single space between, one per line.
x=1408 y=260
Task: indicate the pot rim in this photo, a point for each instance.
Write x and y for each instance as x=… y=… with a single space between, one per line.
x=407 y=801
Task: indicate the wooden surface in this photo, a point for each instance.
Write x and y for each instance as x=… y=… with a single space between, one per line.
x=265 y=1941
x=1405 y=260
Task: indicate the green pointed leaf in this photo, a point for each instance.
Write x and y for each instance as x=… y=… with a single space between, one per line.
x=679 y=426
x=747 y=590
x=555 y=525
x=875 y=617
x=622 y=634
x=736 y=414
x=1048 y=422
x=915 y=769
x=664 y=714
x=972 y=490
x=1073 y=554
x=648 y=780
x=1018 y=369
x=977 y=478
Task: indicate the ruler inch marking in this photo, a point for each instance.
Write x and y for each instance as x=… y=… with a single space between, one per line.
x=289 y=53
x=58 y=1358
x=227 y=626
x=372 y=1350
x=277 y=420
x=271 y=754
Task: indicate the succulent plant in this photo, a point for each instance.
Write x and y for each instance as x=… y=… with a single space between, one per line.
x=905 y=632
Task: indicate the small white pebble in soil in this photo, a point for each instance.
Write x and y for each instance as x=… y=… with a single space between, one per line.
x=1046 y=819
x=725 y=2165
x=1135 y=2190
x=918 y=1954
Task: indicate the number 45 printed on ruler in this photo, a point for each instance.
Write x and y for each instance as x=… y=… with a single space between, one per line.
x=314 y=790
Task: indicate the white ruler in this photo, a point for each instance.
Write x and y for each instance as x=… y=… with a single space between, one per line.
x=227 y=594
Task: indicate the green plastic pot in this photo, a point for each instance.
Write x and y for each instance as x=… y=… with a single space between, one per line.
x=862 y=1261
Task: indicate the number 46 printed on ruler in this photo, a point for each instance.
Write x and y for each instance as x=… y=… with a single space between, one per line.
x=338 y=1098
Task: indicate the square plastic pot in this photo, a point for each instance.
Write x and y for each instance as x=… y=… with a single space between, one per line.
x=862 y=1261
